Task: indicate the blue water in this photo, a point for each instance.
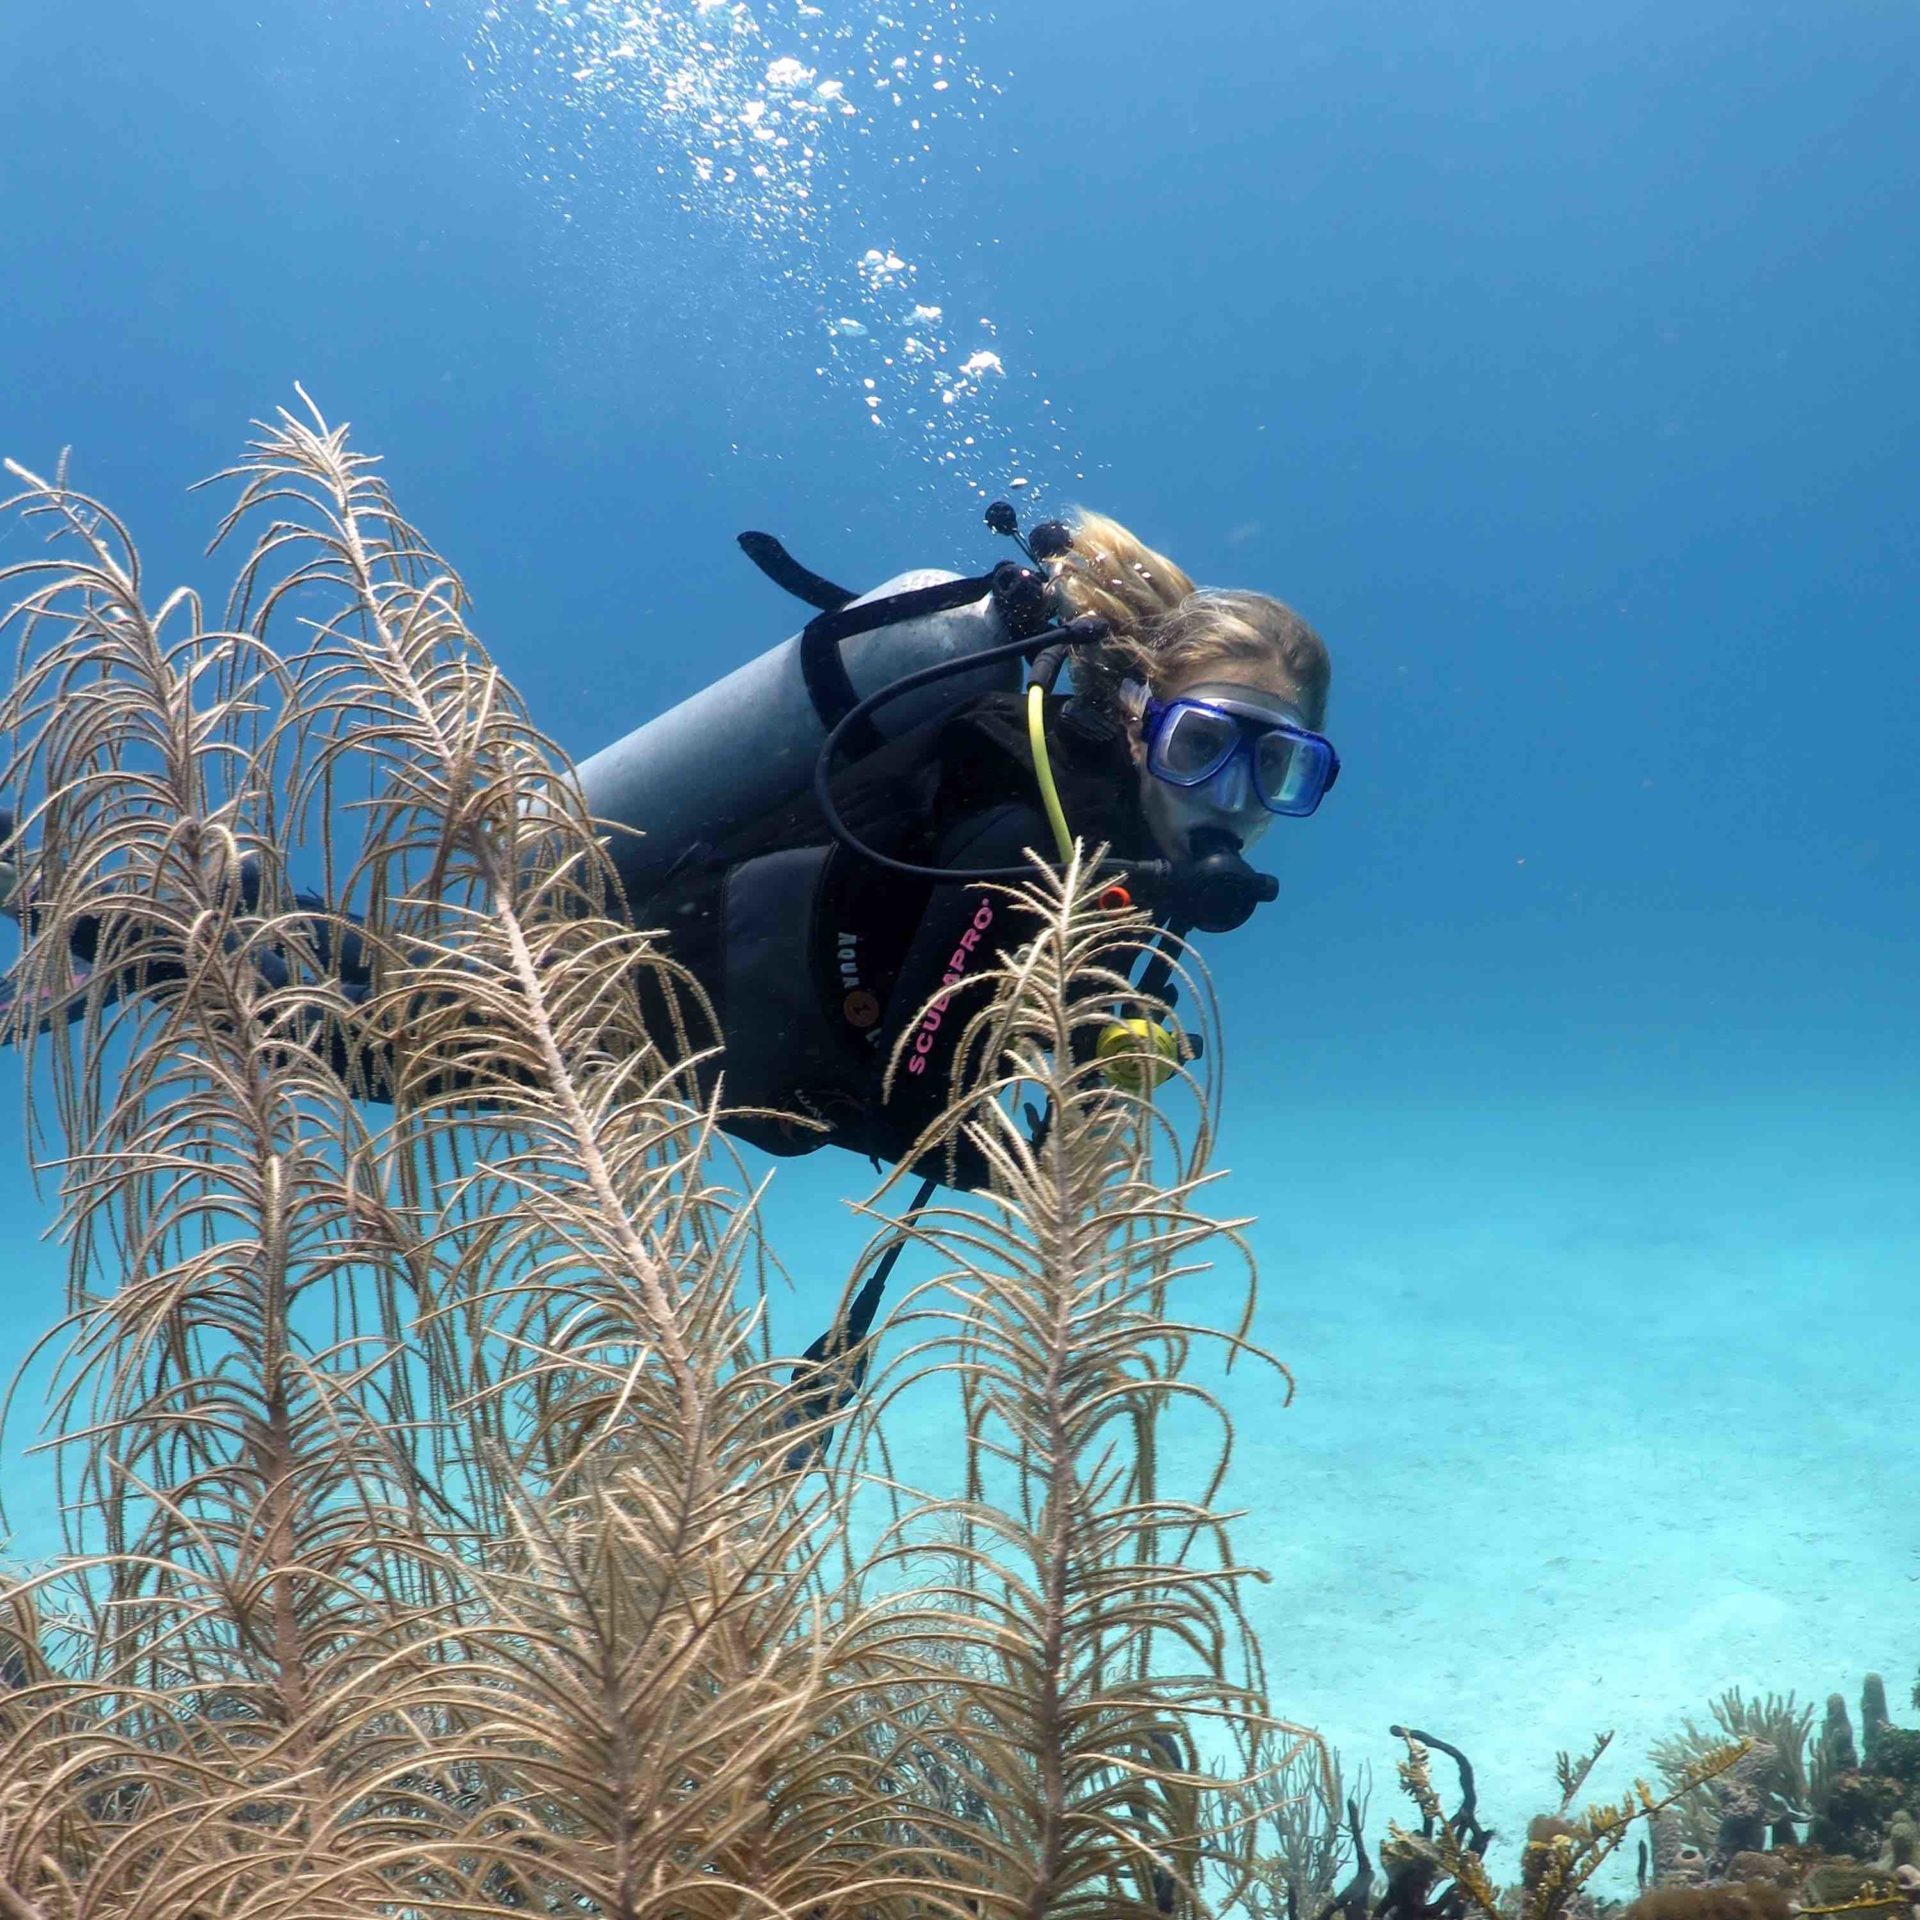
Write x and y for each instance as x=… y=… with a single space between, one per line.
x=1561 y=370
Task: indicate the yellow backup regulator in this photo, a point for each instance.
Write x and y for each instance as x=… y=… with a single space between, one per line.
x=1136 y=1055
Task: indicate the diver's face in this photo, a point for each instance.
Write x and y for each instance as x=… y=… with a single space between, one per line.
x=1227 y=803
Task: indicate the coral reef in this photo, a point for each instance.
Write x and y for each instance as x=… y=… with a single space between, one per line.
x=1859 y=1804
x=1722 y=1841
x=1862 y=1795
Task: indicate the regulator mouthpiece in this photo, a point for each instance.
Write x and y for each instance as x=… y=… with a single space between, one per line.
x=1215 y=890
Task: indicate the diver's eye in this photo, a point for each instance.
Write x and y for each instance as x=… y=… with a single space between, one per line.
x=1193 y=744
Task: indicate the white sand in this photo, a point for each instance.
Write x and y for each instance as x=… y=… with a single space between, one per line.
x=1600 y=1412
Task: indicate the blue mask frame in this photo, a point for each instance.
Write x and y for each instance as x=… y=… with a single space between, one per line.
x=1307 y=774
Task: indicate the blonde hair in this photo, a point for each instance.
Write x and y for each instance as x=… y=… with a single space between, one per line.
x=1167 y=632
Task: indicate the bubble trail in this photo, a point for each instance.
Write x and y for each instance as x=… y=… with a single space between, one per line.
x=773 y=123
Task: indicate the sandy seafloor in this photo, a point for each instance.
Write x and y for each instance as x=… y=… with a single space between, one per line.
x=1601 y=1409
x=1600 y=1412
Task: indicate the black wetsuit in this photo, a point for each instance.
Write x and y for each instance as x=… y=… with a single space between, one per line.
x=817 y=959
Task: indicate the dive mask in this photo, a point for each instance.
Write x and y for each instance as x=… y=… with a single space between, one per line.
x=1226 y=745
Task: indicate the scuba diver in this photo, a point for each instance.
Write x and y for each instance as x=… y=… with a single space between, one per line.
x=824 y=915
x=821 y=838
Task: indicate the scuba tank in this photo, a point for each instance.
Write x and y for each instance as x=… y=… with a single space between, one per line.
x=748 y=744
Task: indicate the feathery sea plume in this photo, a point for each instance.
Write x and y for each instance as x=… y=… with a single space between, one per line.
x=1107 y=1655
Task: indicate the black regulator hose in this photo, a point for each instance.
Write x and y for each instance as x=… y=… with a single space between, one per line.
x=1215 y=891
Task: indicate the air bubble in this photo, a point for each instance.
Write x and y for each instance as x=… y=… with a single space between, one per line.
x=770 y=124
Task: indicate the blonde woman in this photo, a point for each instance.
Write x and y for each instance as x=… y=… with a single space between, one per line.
x=825 y=944
x=1191 y=726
